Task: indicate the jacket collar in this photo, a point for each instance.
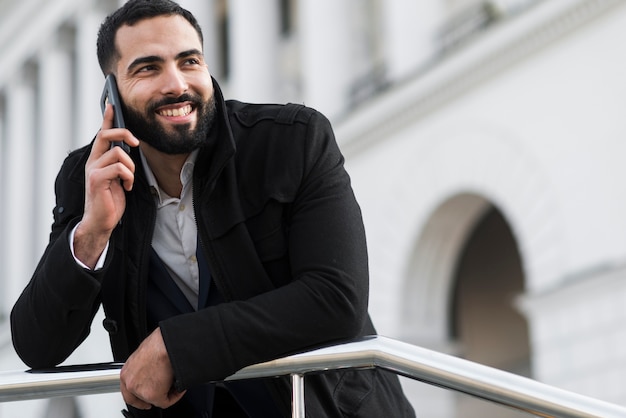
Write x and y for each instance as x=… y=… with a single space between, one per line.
x=221 y=143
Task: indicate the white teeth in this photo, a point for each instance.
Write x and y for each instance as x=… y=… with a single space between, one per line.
x=183 y=111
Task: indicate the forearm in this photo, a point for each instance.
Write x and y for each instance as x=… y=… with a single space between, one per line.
x=53 y=314
x=234 y=335
x=325 y=300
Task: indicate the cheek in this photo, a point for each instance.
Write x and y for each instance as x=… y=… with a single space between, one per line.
x=204 y=85
x=139 y=104
x=138 y=95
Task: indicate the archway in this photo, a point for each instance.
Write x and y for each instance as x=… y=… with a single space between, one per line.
x=485 y=324
x=464 y=274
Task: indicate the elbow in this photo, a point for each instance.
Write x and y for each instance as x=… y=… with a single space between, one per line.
x=350 y=319
x=33 y=355
x=34 y=351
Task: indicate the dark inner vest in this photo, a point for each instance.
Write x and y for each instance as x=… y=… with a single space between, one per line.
x=165 y=300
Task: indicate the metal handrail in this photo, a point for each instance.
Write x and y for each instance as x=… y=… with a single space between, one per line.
x=404 y=359
x=85 y=380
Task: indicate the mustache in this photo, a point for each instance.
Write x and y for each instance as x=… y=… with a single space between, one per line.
x=193 y=99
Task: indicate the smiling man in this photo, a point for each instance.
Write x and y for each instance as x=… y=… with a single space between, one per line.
x=228 y=236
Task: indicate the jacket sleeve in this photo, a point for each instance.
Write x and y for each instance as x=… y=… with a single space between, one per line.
x=325 y=296
x=53 y=314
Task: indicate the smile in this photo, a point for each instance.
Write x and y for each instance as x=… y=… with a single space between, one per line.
x=180 y=111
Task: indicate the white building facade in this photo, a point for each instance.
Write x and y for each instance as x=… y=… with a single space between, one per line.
x=485 y=141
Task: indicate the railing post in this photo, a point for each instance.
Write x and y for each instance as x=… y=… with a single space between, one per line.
x=297 y=395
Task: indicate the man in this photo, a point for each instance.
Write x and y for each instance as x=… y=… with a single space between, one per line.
x=228 y=236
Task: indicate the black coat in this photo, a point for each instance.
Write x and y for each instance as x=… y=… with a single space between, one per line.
x=285 y=242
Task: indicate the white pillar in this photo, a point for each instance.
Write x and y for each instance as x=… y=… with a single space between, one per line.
x=19 y=204
x=89 y=80
x=409 y=29
x=204 y=11
x=4 y=197
x=57 y=114
x=324 y=28
x=254 y=34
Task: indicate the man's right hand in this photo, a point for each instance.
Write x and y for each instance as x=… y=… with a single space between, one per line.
x=108 y=173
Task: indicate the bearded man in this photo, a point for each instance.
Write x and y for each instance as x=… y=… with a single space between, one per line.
x=228 y=236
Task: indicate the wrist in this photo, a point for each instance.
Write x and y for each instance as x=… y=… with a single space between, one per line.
x=88 y=246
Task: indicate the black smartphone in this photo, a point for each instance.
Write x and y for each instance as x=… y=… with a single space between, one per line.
x=110 y=95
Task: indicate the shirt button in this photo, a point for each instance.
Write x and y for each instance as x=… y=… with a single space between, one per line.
x=181 y=207
x=193 y=259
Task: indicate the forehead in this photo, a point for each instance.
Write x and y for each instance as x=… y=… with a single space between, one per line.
x=159 y=36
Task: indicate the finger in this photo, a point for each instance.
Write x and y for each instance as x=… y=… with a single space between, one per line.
x=108 y=133
x=107 y=117
x=134 y=401
x=113 y=155
x=113 y=165
x=106 y=136
x=131 y=399
x=103 y=177
x=118 y=155
x=171 y=398
x=127 y=178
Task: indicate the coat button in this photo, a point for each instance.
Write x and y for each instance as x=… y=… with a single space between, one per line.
x=110 y=325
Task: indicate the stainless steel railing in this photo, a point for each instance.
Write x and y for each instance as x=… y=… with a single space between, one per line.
x=414 y=362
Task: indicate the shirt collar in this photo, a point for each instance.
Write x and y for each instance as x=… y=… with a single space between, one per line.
x=186 y=175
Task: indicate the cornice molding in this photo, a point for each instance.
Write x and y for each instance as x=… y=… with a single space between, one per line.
x=495 y=51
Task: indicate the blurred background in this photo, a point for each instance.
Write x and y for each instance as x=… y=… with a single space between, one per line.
x=484 y=138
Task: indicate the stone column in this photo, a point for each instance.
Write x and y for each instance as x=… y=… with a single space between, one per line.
x=56 y=117
x=89 y=80
x=409 y=31
x=254 y=35
x=204 y=11
x=18 y=193
x=4 y=244
x=324 y=29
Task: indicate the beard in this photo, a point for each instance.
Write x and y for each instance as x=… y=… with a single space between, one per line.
x=183 y=139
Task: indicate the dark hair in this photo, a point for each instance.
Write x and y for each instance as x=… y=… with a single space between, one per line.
x=129 y=14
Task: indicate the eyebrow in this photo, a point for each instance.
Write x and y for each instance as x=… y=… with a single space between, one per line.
x=155 y=58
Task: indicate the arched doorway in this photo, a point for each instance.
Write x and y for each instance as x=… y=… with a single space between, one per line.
x=484 y=322
x=463 y=277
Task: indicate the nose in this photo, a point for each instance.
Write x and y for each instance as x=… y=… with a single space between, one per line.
x=174 y=82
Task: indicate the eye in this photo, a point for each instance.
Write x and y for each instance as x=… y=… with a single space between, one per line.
x=192 y=61
x=146 y=68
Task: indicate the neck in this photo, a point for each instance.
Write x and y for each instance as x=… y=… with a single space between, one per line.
x=166 y=169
